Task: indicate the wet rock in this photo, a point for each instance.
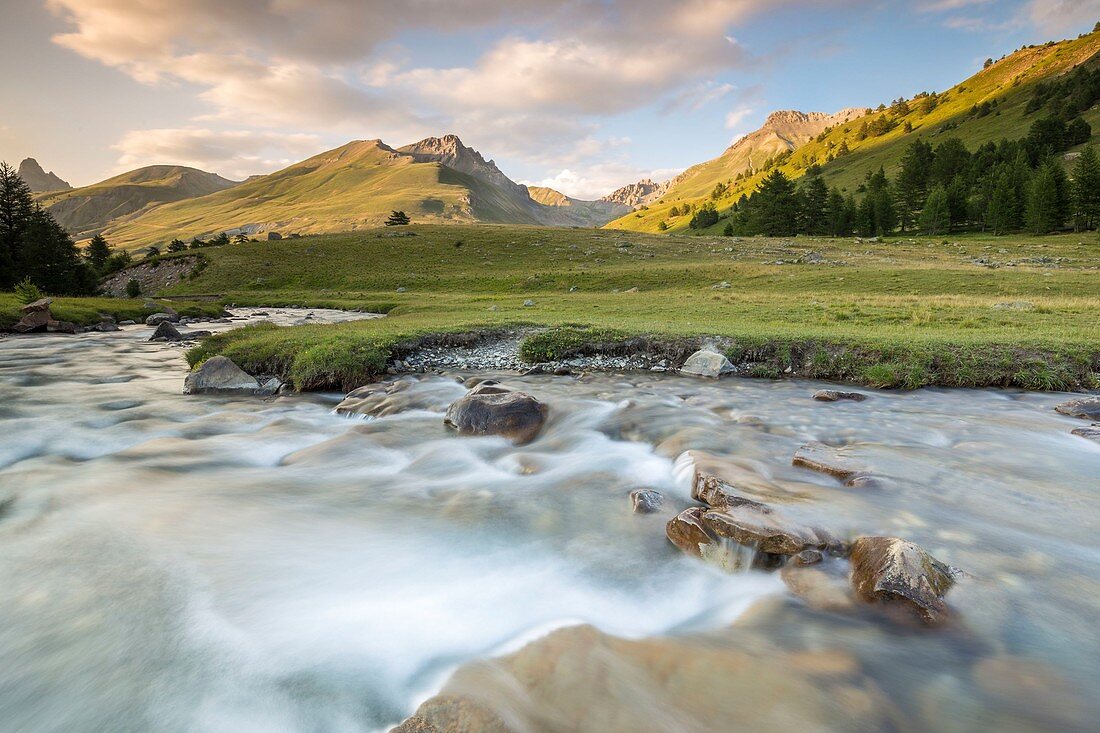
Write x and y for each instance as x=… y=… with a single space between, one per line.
x=688 y=532
x=714 y=492
x=219 y=375
x=821 y=586
x=62 y=327
x=762 y=528
x=166 y=332
x=106 y=327
x=825 y=459
x=646 y=501
x=127 y=323
x=888 y=570
x=390 y=398
x=192 y=335
x=808 y=557
x=1087 y=408
x=42 y=305
x=158 y=318
x=452 y=714
x=706 y=363
x=515 y=415
x=832 y=395
x=1092 y=433
x=489 y=386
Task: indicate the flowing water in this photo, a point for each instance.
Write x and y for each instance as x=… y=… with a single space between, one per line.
x=172 y=563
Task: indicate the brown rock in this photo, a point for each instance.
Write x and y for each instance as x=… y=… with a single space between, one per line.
x=61 y=327
x=646 y=501
x=824 y=587
x=42 y=305
x=1092 y=433
x=759 y=526
x=516 y=415
x=1087 y=408
x=489 y=386
x=452 y=714
x=892 y=571
x=820 y=457
x=32 y=321
x=832 y=395
x=688 y=532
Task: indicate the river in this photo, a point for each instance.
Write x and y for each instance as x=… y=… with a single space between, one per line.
x=175 y=563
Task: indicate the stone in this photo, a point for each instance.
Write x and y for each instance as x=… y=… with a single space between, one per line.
x=822 y=586
x=192 y=335
x=127 y=323
x=528 y=303
x=646 y=501
x=166 y=332
x=274 y=236
x=489 y=386
x=61 y=327
x=452 y=714
x=688 y=532
x=832 y=395
x=1092 y=433
x=762 y=528
x=707 y=363
x=825 y=459
x=42 y=305
x=515 y=415
x=1087 y=408
x=219 y=375
x=892 y=571
x=158 y=318
x=107 y=326
x=33 y=320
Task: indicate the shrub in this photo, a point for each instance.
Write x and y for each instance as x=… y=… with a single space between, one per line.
x=133 y=288
x=27 y=292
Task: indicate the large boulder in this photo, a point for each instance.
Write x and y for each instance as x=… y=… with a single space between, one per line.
x=707 y=363
x=158 y=318
x=166 y=332
x=1087 y=408
x=688 y=532
x=891 y=571
x=515 y=415
x=36 y=317
x=219 y=375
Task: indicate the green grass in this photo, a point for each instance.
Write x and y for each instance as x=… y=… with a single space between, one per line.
x=90 y=311
x=900 y=313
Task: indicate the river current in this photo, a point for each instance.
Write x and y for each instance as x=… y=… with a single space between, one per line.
x=197 y=563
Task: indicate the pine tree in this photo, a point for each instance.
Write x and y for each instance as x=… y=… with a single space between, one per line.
x=813 y=203
x=397 y=219
x=774 y=205
x=1046 y=203
x=1086 y=189
x=1004 y=207
x=912 y=180
x=936 y=217
x=97 y=253
x=15 y=211
x=176 y=245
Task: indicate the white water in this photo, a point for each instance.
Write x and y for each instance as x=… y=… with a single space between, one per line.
x=175 y=563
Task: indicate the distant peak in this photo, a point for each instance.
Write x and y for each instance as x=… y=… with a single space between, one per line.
x=39 y=180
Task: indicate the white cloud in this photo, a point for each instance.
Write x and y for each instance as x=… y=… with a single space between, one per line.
x=1057 y=16
x=600 y=180
x=230 y=153
x=737 y=116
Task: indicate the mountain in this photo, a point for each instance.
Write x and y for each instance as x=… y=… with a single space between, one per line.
x=356 y=186
x=88 y=210
x=989 y=106
x=39 y=180
x=637 y=194
x=562 y=210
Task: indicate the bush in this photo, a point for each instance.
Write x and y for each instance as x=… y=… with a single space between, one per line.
x=27 y=292
x=133 y=288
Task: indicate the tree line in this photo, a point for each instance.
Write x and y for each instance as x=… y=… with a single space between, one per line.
x=37 y=251
x=1000 y=188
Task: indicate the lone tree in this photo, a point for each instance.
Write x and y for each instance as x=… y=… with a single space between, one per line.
x=241 y=238
x=97 y=253
x=397 y=219
x=176 y=245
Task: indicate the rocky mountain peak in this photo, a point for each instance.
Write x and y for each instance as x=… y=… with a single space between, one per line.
x=638 y=193
x=38 y=179
x=451 y=152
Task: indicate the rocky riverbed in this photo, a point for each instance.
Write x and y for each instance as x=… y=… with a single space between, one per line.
x=227 y=563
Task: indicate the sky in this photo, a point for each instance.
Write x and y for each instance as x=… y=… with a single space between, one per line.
x=580 y=95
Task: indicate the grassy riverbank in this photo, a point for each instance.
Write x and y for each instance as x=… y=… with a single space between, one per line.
x=965 y=311
x=90 y=311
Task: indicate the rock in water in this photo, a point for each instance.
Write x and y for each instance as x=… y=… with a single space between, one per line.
x=707 y=363
x=890 y=570
x=1092 y=433
x=832 y=395
x=646 y=501
x=823 y=458
x=158 y=318
x=36 y=317
x=760 y=527
x=219 y=375
x=1086 y=407
x=516 y=415
x=61 y=327
x=687 y=531
x=166 y=332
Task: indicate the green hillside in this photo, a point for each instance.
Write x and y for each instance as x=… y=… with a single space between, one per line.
x=88 y=210
x=1005 y=86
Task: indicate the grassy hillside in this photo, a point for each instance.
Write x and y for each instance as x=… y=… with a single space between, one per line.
x=88 y=210
x=1009 y=82
x=899 y=314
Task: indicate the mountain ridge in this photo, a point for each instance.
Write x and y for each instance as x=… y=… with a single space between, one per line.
x=38 y=180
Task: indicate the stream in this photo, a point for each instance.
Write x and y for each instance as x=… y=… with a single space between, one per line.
x=239 y=565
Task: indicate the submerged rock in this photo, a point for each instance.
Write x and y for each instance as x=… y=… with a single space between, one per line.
x=219 y=375
x=832 y=395
x=821 y=586
x=646 y=501
x=1087 y=408
x=825 y=459
x=166 y=332
x=1092 y=433
x=707 y=363
x=888 y=570
x=515 y=415
x=762 y=528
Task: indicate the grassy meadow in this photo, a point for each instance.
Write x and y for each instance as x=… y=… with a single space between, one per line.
x=966 y=311
x=90 y=311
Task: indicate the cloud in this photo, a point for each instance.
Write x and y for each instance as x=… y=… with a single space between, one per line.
x=940 y=6
x=600 y=180
x=1058 y=16
x=737 y=116
x=231 y=153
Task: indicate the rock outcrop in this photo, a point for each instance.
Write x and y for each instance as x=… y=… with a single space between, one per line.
x=38 y=180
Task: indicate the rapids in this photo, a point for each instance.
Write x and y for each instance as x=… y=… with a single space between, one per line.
x=172 y=563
